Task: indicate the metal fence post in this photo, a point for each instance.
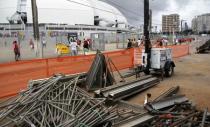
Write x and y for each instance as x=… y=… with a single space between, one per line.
x=47 y=68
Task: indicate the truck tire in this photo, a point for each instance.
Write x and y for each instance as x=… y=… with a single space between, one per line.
x=146 y=71
x=169 y=72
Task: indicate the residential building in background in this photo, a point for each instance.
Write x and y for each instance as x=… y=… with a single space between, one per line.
x=201 y=23
x=170 y=23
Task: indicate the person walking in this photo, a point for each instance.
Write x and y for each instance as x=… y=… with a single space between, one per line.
x=44 y=43
x=139 y=42
x=85 y=46
x=16 y=50
x=166 y=42
x=31 y=43
x=129 y=44
x=73 y=46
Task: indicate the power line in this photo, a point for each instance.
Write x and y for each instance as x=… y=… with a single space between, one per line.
x=99 y=9
x=117 y=4
x=94 y=7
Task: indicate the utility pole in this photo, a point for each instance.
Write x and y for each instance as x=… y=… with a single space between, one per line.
x=150 y=20
x=36 y=28
x=146 y=34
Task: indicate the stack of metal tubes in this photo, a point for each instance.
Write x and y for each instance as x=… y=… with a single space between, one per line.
x=54 y=102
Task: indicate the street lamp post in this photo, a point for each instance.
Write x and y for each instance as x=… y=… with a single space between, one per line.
x=146 y=34
x=36 y=28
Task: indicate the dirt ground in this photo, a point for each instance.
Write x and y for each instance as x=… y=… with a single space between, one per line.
x=192 y=74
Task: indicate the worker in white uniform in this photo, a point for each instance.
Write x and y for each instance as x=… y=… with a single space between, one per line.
x=73 y=46
x=139 y=42
x=147 y=97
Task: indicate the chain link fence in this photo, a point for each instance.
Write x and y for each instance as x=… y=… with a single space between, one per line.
x=102 y=40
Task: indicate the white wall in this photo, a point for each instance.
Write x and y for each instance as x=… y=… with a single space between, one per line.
x=52 y=11
x=65 y=12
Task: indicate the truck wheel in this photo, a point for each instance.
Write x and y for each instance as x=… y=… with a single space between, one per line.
x=169 y=72
x=146 y=72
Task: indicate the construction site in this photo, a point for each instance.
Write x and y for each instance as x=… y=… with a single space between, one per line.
x=151 y=81
x=110 y=90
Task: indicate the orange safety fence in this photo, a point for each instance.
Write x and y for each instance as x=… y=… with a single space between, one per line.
x=179 y=50
x=137 y=56
x=15 y=76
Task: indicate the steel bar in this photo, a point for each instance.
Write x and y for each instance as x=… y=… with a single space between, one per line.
x=65 y=78
x=96 y=74
x=204 y=117
x=168 y=93
x=110 y=60
x=104 y=92
x=132 y=89
x=136 y=121
x=122 y=91
x=183 y=120
x=167 y=102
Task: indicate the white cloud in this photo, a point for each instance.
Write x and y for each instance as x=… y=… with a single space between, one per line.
x=187 y=10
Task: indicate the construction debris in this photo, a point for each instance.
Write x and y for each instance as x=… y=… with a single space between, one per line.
x=203 y=48
x=121 y=91
x=172 y=91
x=81 y=79
x=129 y=114
x=99 y=75
x=204 y=118
x=54 y=102
x=172 y=110
x=59 y=102
x=168 y=102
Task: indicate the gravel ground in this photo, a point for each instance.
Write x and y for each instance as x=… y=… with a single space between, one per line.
x=192 y=74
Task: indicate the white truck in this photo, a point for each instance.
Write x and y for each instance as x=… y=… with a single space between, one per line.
x=160 y=61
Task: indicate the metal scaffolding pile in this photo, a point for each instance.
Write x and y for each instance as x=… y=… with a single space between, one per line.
x=59 y=102
x=167 y=110
x=174 y=110
x=127 y=115
x=54 y=102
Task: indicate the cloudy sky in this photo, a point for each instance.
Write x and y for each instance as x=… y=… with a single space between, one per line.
x=187 y=9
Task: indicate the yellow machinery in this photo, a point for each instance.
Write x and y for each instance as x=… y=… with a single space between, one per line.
x=62 y=48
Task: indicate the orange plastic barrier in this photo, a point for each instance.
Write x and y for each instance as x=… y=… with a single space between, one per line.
x=14 y=77
x=179 y=50
x=137 y=56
